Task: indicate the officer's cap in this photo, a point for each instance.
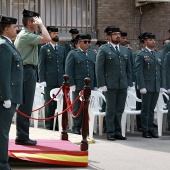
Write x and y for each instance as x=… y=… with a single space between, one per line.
x=101 y=42
x=74 y=31
x=27 y=13
x=147 y=35
x=83 y=36
x=52 y=29
x=7 y=20
x=123 y=34
x=111 y=29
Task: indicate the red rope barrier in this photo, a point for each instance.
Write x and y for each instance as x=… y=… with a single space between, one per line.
x=29 y=117
x=48 y=101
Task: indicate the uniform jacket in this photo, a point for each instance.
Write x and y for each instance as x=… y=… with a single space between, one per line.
x=149 y=71
x=51 y=66
x=69 y=46
x=11 y=72
x=113 y=69
x=167 y=69
x=79 y=66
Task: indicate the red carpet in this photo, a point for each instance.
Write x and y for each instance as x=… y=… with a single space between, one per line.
x=58 y=152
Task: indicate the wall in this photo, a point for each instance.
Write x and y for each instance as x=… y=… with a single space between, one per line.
x=123 y=14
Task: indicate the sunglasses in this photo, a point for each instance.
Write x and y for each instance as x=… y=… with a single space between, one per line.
x=85 y=41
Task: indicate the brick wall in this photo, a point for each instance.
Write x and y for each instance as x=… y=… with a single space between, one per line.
x=123 y=14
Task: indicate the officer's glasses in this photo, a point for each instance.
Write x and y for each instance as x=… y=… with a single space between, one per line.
x=86 y=41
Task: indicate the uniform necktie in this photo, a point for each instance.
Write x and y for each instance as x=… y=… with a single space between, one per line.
x=84 y=52
x=152 y=52
x=117 y=49
x=55 y=48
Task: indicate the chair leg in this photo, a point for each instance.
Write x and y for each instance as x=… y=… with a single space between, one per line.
x=55 y=119
x=100 y=125
x=159 y=120
x=35 y=115
x=132 y=123
x=128 y=122
x=95 y=125
x=123 y=123
x=91 y=125
x=164 y=122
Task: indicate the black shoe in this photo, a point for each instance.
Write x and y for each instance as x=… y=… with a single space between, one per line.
x=120 y=137
x=111 y=137
x=146 y=134
x=76 y=131
x=25 y=142
x=152 y=133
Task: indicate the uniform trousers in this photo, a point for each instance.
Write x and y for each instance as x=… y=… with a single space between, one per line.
x=23 y=123
x=115 y=104
x=149 y=101
x=50 y=108
x=5 y=124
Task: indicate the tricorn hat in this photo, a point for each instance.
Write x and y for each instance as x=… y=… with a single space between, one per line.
x=82 y=36
x=111 y=29
x=52 y=29
x=7 y=20
x=123 y=34
x=74 y=31
x=27 y=13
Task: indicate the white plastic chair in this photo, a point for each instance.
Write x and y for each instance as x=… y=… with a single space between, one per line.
x=38 y=102
x=129 y=105
x=94 y=110
x=59 y=99
x=160 y=109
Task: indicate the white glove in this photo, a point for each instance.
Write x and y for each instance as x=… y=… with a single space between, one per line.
x=128 y=88
x=168 y=91
x=163 y=90
x=7 y=104
x=104 y=88
x=95 y=89
x=37 y=20
x=72 y=88
x=143 y=91
x=43 y=84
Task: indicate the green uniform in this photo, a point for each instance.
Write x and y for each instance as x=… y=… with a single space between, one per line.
x=27 y=44
x=167 y=72
x=113 y=70
x=69 y=46
x=79 y=66
x=11 y=87
x=149 y=75
x=51 y=69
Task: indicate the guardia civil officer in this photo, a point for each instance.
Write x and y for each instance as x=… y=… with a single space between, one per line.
x=51 y=69
x=11 y=83
x=150 y=81
x=27 y=44
x=80 y=63
x=114 y=76
x=70 y=44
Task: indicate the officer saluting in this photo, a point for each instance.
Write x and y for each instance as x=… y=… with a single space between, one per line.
x=51 y=69
x=114 y=75
x=27 y=44
x=11 y=83
x=150 y=80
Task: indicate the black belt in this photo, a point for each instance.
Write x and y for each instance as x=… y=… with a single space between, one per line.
x=30 y=66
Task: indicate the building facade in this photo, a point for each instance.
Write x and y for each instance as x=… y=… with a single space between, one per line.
x=92 y=16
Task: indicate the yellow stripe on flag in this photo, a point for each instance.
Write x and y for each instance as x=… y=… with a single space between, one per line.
x=58 y=157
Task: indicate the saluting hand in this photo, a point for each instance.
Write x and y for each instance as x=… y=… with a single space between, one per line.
x=37 y=21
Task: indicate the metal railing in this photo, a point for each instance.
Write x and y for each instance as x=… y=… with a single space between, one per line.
x=64 y=14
